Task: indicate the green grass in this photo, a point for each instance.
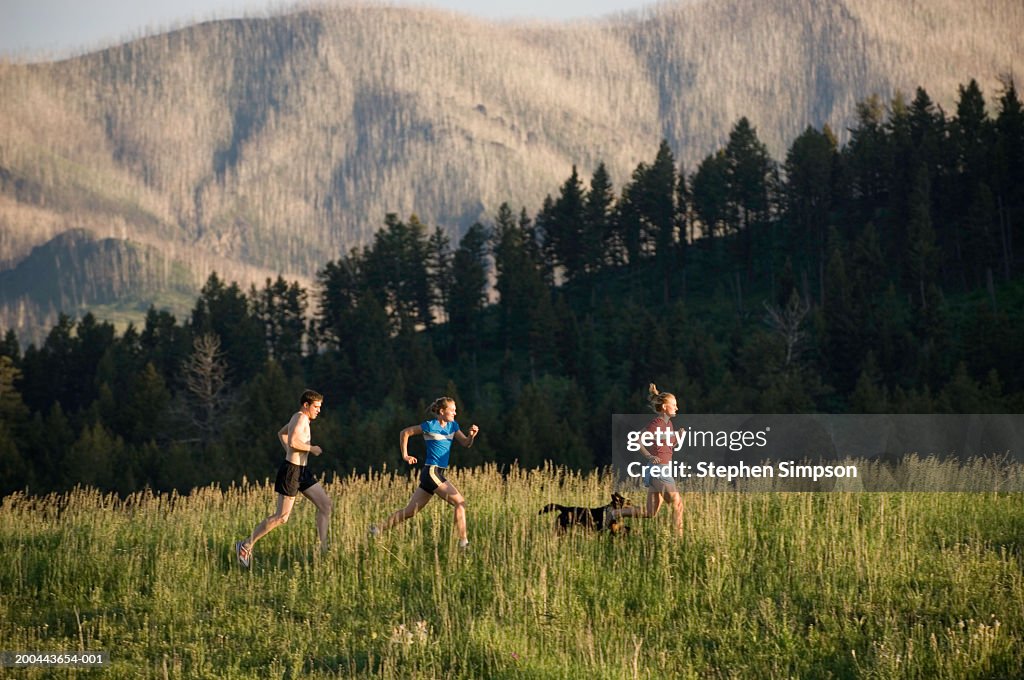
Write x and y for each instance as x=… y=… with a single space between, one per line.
x=132 y=309
x=768 y=585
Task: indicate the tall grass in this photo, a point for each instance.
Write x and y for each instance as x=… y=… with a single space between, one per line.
x=926 y=585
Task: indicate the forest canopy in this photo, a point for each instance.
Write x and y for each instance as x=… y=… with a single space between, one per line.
x=879 y=276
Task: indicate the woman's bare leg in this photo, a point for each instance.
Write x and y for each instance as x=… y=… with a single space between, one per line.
x=451 y=495
x=416 y=503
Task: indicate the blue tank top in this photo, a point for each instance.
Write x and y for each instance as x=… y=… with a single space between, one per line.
x=439 y=441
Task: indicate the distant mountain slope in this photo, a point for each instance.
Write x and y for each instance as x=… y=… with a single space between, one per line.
x=263 y=145
x=76 y=271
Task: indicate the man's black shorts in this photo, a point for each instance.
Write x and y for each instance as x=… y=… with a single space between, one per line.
x=431 y=477
x=292 y=479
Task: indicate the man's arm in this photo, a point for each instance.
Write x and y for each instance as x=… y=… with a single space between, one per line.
x=298 y=437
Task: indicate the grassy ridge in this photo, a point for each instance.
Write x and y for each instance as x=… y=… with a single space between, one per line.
x=762 y=585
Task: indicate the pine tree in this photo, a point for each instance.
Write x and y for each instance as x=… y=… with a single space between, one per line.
x=1009 y=164
x=564 y=228
x=808 y=195
x=56 y=357
x=866 y=163
x=710 y=194
x=395 y=268
x=49 y=438
x=439 y=269
x=281 y=310
x=225 y=311
x=980 y=237
x=843 y=347
x=370 y=353
x=9 y=347
x=684 y=213
x=91 y=461
x=869 y=394
x=750 y=182
x=661 y=217
x=516 y=274
x=165 y=344
x=341 y=285
x=598 y=244
x=972 y=136
x=629 y=217
x=469 y=292
x=922 y=257
x=146 y=407
x=15 y=472
x=12 y=408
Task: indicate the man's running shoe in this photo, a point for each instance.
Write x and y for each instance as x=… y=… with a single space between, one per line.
x=244 y=554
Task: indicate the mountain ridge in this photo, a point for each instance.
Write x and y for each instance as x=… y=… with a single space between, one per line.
x=273 y=144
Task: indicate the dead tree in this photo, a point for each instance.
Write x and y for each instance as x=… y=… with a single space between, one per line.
x=787 y=322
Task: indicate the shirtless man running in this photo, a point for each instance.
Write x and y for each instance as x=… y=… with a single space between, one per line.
x=293 y=477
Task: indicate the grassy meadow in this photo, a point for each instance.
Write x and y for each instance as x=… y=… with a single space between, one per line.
x=772 y=585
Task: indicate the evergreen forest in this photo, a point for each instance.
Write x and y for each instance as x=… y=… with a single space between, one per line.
x=883 y=275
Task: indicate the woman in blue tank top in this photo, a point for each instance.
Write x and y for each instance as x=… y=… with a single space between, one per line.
x=438 y=433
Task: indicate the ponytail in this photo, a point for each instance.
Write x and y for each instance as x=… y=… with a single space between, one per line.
x=438 y=404
x=657 y=399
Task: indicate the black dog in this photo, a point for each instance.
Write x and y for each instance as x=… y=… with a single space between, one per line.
x=589 y=518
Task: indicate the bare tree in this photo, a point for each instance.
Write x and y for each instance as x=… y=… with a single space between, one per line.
x=787 y=322
x=205 y=378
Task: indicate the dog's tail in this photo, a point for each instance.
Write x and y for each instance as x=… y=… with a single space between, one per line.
x=550 y=507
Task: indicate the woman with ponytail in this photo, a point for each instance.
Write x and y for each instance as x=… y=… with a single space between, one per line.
x=438 y=432
x=659 y=489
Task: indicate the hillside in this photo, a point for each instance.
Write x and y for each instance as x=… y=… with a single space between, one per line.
x=76 y=270
x=269 y=145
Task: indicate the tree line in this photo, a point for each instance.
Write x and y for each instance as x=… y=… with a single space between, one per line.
x=882 y=275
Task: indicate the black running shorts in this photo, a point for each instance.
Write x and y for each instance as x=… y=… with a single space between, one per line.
x=292 y=479
x=431 y=477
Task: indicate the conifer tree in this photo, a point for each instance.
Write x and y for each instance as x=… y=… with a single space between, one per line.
x=522 y=292
x=597 y=244
x=469 y=281
x=750 y=181
x=280 y=308
x=9 y=347
x=808 y=195
x=165 y=344
x=53 y=358
x=224 y=311
x=842 y=344
x=1009 y=163
x=869 y=394
x=660 y=215
x=395 y=267
x=922 y=254
x=341 y=285
x=972 y=136
x=564 y=228
x=629 y=217
x=710 y=194
x=867 y=162
x=146 y=407
x=684 y=213
x=439 y=270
